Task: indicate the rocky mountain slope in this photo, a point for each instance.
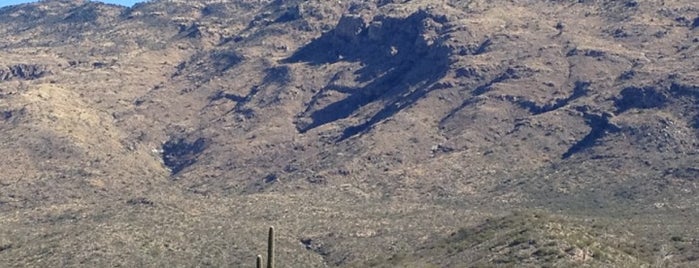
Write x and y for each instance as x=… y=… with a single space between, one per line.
x=370 y=133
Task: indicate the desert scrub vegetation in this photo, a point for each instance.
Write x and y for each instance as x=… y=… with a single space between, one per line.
x=526 y=239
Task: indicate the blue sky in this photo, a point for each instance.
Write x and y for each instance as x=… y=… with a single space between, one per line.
x=119 y=2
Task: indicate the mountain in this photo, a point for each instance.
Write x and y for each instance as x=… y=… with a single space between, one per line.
x=384 y=133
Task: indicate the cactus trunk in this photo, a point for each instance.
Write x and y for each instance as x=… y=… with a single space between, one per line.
x=270 y=248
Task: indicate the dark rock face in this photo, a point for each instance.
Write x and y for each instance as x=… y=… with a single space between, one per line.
x=83 y=14
x=23 y=72
x=599 y=126
x=402 y=59
x=579 y=91
x=6 y=115
x=12 y=115
x=349 y=28
x=690 y=93
x=179 y=153
x=205 y=66
x=641 y=98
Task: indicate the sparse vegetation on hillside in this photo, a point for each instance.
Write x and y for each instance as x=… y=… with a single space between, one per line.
x=376 y=133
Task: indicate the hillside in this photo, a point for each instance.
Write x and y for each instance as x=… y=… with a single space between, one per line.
x=381 y=133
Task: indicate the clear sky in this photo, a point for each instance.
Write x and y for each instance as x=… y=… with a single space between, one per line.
x=119 y=2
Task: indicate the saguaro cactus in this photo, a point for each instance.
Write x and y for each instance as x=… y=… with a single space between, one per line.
x=270 y=251
x=270 y=248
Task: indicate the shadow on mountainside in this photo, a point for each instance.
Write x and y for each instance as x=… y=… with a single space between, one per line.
x=400 y=64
